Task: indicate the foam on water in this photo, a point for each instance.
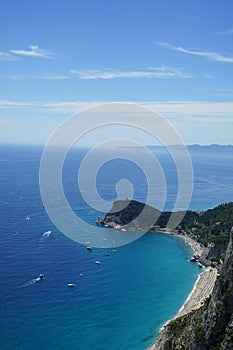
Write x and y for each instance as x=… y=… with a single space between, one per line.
x=31 y=282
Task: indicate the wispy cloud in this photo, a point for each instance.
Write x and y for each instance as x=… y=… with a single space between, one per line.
x=10 y=103
x=46 y=76
x=225 y=93
x=228 y=31
x=108 y=73
x=15 y=77
x=179 y=110
x=33 y=51
x=52 y=76
x=213 y=56
x=5 y=56
x=62 y=107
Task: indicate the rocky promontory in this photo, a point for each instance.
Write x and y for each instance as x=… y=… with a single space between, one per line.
x=210 y=327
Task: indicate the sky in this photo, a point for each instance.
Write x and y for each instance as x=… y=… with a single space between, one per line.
x=60 y=57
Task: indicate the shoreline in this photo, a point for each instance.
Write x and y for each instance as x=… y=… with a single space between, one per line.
x=196 y=247
x=201 y=290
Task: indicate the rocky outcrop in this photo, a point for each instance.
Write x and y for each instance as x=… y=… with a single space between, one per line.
x=130 y=215
x=211 y=326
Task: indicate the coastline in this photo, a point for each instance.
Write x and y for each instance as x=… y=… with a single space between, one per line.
x=202 y=288
x=196 y=247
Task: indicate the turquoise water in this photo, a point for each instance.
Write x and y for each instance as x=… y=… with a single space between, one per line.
x=120 y=304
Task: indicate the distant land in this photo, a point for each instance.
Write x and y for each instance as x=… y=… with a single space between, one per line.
x=193 y=147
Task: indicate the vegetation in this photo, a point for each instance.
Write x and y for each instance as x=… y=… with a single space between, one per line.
x=126 y=212
x=211 y=226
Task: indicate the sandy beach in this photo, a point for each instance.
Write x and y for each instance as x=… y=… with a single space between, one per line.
x=202 y=289
x=204 y=284
x=197 y=248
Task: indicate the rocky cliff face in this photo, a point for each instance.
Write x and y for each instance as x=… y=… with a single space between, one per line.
x=211 y=326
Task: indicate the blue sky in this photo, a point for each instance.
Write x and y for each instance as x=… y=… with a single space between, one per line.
x=176 y=57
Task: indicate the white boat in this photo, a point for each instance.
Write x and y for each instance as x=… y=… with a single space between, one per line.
x=89 y=247
x=98 y=262
x=71 y=285
x=47 y=233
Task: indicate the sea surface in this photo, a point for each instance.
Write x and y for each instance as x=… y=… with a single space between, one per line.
x=121 y=303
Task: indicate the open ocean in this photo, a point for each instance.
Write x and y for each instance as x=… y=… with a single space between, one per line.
x=120 y=304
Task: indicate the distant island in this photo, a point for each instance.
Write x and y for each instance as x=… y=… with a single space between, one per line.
x=206 y=319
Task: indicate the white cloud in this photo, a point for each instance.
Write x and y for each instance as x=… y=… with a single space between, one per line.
x=172 y=109
x=200 y=122
x=52 y=76
x=89 y=74
x=63 y=107
x=46 y=76
x=33 y=51
x=196 y=109
x=9 y=103
x=5 y=56
x=213 y=56
x=108 y=73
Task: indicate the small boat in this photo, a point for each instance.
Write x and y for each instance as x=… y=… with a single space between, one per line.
x=47 y=233
x=200 y=265
x=98 y=262
x=81 y=274
x=89 y=247
x=71 y=285
x=107 y=254
x=41 y=276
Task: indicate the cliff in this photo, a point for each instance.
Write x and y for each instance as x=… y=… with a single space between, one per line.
x=211 y=326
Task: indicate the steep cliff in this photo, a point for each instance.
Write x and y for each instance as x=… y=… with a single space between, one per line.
x=211 y=326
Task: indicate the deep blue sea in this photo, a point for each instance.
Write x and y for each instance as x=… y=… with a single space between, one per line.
x=119 y=304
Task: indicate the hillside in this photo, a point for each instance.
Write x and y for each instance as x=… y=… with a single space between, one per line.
x=211 y=326
x=127 y=213
x=211 y=227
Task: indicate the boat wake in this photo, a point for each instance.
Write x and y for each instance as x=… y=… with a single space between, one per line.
x=45 y=236
x=30 y=283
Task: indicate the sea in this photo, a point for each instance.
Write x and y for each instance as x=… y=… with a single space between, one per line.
x=118 y=304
